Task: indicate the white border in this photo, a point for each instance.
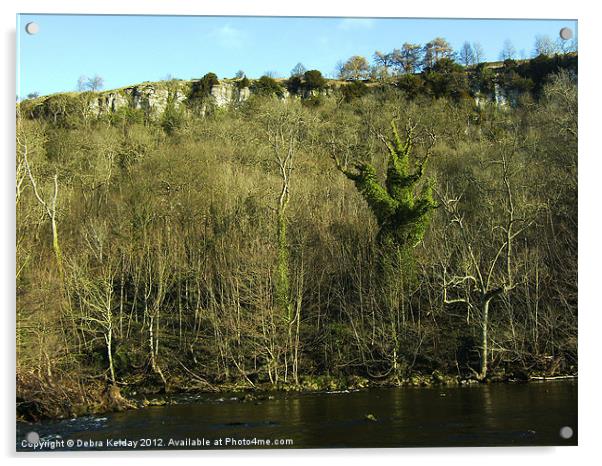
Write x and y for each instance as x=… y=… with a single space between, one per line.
x=590 y=259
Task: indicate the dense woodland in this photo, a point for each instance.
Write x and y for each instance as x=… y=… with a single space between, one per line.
x=368 y=234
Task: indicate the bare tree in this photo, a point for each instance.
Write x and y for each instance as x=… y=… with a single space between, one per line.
x=96 y=297
x=508 y=51
x=356 y=68
x=467 y=54
x=383 y=61
x=283 y=129
x=435 y=50
x=485 y=268
x=49 y=206
x=82 y=83
x=408 y=58
x=95 y=83
x=566 y=46
x=298 y=70
x=157 y=280
x=479 y=53
x=544 y=46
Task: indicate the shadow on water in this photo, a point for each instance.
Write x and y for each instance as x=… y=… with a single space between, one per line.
x=484 y=415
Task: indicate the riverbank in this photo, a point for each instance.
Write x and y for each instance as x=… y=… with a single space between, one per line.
x=39 y=398
x=496 y=414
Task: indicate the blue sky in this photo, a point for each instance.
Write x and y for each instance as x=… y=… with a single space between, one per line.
x=131 y=49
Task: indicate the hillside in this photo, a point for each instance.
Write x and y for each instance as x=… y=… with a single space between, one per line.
x=498 y=82
x=214 y=235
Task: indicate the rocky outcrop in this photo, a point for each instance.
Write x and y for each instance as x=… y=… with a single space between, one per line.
x=500 y=97
x=109 y=102
x=227 y=93
x=152 y=98
x=505 y=97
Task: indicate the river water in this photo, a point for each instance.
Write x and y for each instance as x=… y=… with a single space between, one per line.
x=476 y=415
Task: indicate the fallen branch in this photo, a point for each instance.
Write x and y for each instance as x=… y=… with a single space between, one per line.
x=556 y=377
x=197 y=377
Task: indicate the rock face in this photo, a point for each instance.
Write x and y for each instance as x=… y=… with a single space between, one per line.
x=226 y=93
x=109 y=102
x=153 y=99
x=505 y=97
x=501 y=97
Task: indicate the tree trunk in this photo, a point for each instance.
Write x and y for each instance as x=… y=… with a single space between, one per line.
x=283 y=288
x=153 y=360
x=55 y=245
x=484 y=348
x=109 y=341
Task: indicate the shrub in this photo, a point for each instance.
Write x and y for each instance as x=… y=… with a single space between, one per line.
x=354 y=90
x=483 y=79
x=201 y=89
x=172 y=119
x=267 y=86
x=447 y=79
x=294 y=84
x=242 y=83
x=412 y=85
x=313 y=80
x=313 y=101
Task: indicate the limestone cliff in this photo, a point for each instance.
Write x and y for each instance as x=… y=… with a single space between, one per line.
x=153 y=98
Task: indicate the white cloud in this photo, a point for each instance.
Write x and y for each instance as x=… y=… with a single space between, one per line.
x=349 y=24
x=228 y=37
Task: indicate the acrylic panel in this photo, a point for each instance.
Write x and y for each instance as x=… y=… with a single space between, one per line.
x=361 y=234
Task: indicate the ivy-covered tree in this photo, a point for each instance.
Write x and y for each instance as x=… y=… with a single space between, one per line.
x=401 y=213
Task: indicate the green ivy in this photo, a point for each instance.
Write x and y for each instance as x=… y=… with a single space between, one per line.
x=401 y=213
